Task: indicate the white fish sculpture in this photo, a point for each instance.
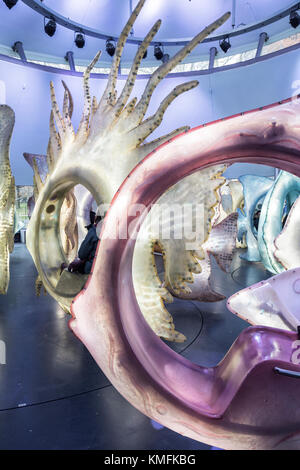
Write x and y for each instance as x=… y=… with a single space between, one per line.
x=7 y=196
x=108 y=144
x=287 y=244
x=270 y=222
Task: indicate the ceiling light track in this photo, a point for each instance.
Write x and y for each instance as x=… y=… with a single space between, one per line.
x=50 y=68
x=42 y=9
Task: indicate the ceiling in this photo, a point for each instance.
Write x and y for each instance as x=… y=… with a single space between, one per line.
x=181 y=19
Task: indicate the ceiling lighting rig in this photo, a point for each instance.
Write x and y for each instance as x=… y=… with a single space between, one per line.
x=10 y=3
x=110 y=47
x=79 y=39
x=50 y=26
x=225 y=44
x=158 y=51
x=294 y=19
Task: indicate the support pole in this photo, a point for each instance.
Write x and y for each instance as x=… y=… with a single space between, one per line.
x=233 y=13
x=212 y=55
x=70 y=58
x=263 y=37
x=18 y=48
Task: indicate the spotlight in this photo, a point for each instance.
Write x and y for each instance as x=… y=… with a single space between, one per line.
x=79 y=40
x=10 y=3
x=110 y=47
x=158 y=52
x=50 y=27
x=225 y=45
x=294 y=19
x=166 y=58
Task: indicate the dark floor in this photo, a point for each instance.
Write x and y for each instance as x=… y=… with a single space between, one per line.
x=52 y=393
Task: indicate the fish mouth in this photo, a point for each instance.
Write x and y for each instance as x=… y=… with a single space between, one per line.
x=123 y=355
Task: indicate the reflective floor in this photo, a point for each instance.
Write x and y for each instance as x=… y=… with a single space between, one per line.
x=52 y=393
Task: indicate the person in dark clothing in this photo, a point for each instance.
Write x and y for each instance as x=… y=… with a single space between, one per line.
x=256 y=217
x=92 y=220
x=88 y=248
x=86 y=253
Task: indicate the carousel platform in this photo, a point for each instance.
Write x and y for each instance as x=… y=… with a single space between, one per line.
x=52 y=393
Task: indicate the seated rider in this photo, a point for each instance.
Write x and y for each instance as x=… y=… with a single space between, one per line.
x=86 y=253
